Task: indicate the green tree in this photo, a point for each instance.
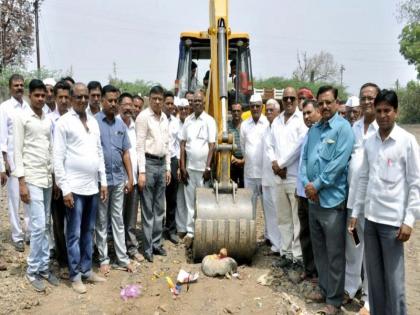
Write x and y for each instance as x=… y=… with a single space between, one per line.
x=410 y=44
x=137 y=87
x=281 y=83
x=409 y=101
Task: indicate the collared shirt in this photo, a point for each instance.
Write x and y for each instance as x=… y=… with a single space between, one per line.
x=325 y=159
x=284 y=143
x=131 y=131
x=152 y=137
x=33 y=148
x=300 y=190
x=46 y=109
x=357 y=156
x=89 y=111
x=53 y=116
x=236 y=131
x=268 y=176
x=174 y=126
x=115 y=141
x=389 y=185
x=198 y=132
x=179 y=137
x=78 y=156
x=8 y=110
x=252 y=145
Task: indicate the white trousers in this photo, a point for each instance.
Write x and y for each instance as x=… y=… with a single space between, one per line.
x=354 y=261
x=195 y=181
x=13 y=203
x=254 y=184
x=289 y=225
x=181 y=210
x=269 y=197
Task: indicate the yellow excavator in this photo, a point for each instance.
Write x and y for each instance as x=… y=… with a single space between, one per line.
x=223 y=213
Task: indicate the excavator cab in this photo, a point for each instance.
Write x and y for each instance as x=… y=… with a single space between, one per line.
x=224 y=216
x=196 y=50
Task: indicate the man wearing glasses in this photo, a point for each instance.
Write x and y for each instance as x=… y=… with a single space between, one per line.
x=287 y=133
x=324 y=176
x=251 y=139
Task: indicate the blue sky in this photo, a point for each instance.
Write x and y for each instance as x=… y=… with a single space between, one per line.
x=142 y=37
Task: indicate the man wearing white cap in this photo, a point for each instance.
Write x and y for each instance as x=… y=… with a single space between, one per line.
x=251 y=138
x=353 y=110
x=49 y=106
x=181 y=211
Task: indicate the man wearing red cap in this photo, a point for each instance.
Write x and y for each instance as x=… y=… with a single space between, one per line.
x=303 y=94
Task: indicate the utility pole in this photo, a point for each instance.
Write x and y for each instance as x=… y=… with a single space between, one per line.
x=38 y=56
x=341 y=74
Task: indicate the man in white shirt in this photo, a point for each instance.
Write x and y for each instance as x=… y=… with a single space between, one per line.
x=362 y=129
x=131 y=199
x=95 y=92
x=251 y=138
x=269 y=191
x=287 y=133
x=172 y=188
x=32 y=157
x=311 y=115
x=154 y=171
x=78 y=168
x=388 y=194
x=181 y=214
x=3 y=177
x=197 y=146
x=58 y=210
x=49 y=98
x=8 y=110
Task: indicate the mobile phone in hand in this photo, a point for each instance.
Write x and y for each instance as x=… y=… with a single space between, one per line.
x=355 y=236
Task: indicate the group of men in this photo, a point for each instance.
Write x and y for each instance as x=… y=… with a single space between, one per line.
x=338 y=191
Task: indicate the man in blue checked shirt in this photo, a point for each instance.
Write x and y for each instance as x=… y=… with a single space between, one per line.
x=324 y=176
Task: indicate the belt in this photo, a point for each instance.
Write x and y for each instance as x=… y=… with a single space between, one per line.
x=154 y=157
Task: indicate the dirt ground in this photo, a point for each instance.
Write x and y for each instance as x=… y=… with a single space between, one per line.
x=207 y=296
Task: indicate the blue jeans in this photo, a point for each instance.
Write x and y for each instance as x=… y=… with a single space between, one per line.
x=79 y=235
x=39 y=211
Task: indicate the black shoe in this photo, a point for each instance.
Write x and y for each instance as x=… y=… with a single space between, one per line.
x=19 y=246
x=173 y=238
x=149 y=257
x=282 y=262
x=159 y=251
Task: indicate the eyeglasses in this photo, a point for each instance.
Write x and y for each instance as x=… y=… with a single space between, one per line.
x=302 y=98
x=367 y=99
x=81 y=97
x=287 y=98
x=255 y=105
x=269 y=110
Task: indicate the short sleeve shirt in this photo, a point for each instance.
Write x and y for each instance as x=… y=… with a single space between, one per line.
x=114 y=140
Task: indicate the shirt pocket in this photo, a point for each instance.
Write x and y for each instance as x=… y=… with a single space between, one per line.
x=203 y=133
x=327 y=149
x=390 y=170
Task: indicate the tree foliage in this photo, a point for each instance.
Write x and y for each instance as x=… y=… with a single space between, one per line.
x=319 y=67
x=16 y=32
x=410 y=44
x=409 y=10
x=281 y=83
x=137 y=87
x=408 y=99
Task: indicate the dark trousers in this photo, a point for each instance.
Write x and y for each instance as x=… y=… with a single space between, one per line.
x=153 y=204
x=384 y=256
x=81 y=221
x=58 y=213
x=327 y=229
x=171 y=206
x=130 y=211
x=305 y=237
x=237 y=174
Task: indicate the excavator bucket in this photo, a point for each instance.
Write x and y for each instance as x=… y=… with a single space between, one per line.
x=224 y=220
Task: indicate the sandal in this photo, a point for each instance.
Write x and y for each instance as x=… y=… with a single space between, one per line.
x=329 y=310
x=104 y=269
x=315 y=296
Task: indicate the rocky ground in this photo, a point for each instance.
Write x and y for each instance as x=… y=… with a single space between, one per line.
x=280 y=294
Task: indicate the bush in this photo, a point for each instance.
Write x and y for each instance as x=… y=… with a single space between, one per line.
x=409 y=103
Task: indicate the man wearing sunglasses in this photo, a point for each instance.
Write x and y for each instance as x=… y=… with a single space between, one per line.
x=287 y=133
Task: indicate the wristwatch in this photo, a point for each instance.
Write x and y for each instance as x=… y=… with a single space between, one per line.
x=208 y=168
